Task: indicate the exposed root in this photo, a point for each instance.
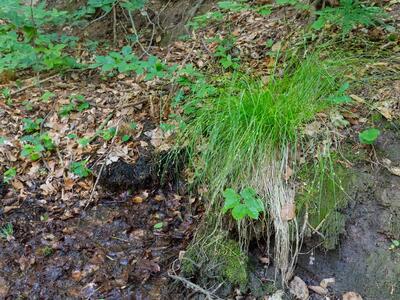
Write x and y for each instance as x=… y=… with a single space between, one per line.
x=270 y=184
x=209 y=295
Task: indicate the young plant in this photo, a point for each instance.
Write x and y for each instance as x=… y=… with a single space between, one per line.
x=9 y=174
x=30 y=125
x=77 y=103
x=245 y=204
x=126 y=62
x=79 y=168
x=348 y=15
x=369 y=136
x=35 y=146
x=223 y=53
x=7 y=232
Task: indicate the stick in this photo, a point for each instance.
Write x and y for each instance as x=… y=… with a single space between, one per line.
x=33 y=84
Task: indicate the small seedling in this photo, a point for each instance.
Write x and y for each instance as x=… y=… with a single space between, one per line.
x=108 y=134
x=159 y=225
x=125 y=138
x=36 y=145
x=9 y=174
x=245 y=204
x=7 y=232
x=340 y=96
x=369 y=136
x=394 y=245
x=79 y=168
x=30 y=125
x=46 y=97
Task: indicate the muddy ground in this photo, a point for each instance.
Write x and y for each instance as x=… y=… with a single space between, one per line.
x=121 y=244
x=363 y=261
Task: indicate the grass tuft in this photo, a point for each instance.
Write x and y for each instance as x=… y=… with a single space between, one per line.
x=232 y=133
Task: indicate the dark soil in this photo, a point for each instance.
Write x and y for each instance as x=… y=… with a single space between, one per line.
x=363 y=261
x=111 y=251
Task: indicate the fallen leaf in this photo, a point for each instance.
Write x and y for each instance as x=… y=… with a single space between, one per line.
x=351 y=296
x=327 y=282
x=392 y=169
x=288 y=212
x=318 y=289
x=137 y=199
x=357 y=98
x=4 y=287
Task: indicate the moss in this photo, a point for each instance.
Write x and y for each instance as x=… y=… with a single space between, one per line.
x=324 y=196
x=220 y=258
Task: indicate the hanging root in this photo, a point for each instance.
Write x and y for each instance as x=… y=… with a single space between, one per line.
x=279 y=203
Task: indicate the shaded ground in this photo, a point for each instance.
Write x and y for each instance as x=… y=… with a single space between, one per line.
x=363 y=261
x=111 y=250
x=65 y=246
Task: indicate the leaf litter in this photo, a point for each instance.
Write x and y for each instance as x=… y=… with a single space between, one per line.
x=123 y=243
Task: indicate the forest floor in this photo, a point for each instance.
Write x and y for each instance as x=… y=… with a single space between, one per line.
x=81 y=238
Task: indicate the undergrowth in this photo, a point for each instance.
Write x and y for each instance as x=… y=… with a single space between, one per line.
x=245 y=134
x=229 y=134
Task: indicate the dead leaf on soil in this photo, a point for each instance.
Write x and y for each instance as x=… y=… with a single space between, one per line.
x=327 y=282
x=318 y=289
x=288 y=212
x=4 y=287
x=351 y=296
x=392 y=169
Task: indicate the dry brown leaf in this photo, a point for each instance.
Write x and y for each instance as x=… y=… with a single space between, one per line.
x=318 y=289
x=4 y=288
x=327 y=282
x=18 y=185
x=288 y=212
x=357 y=98
x=392 y=169
x=137 y=199
x=351 y=296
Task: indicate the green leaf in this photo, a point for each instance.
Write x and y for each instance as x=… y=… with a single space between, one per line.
x=264 y=10
x=126 y=50
x=345 y=86
x=79 y=168
x=83 y=106
x=239 y=212
x=47 y=96
x=234 y=6
x=9 y=174
x=340 y=99
x=126 y=138
x=232 y=199
x=159 y=225
x=108 y=134
x=319 y=24
x=83 y=142
x=2 y=140
x=369 y=136
x=167 y=127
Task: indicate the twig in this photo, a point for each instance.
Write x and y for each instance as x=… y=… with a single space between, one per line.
x=32 y=15
x=152 y=34
x=33 y=84
x=136 y=33
x=193 y=286
x=101 y=17
x=102 y=168
x=114 y=25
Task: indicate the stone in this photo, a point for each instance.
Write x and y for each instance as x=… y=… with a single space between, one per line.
x=298 y=288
